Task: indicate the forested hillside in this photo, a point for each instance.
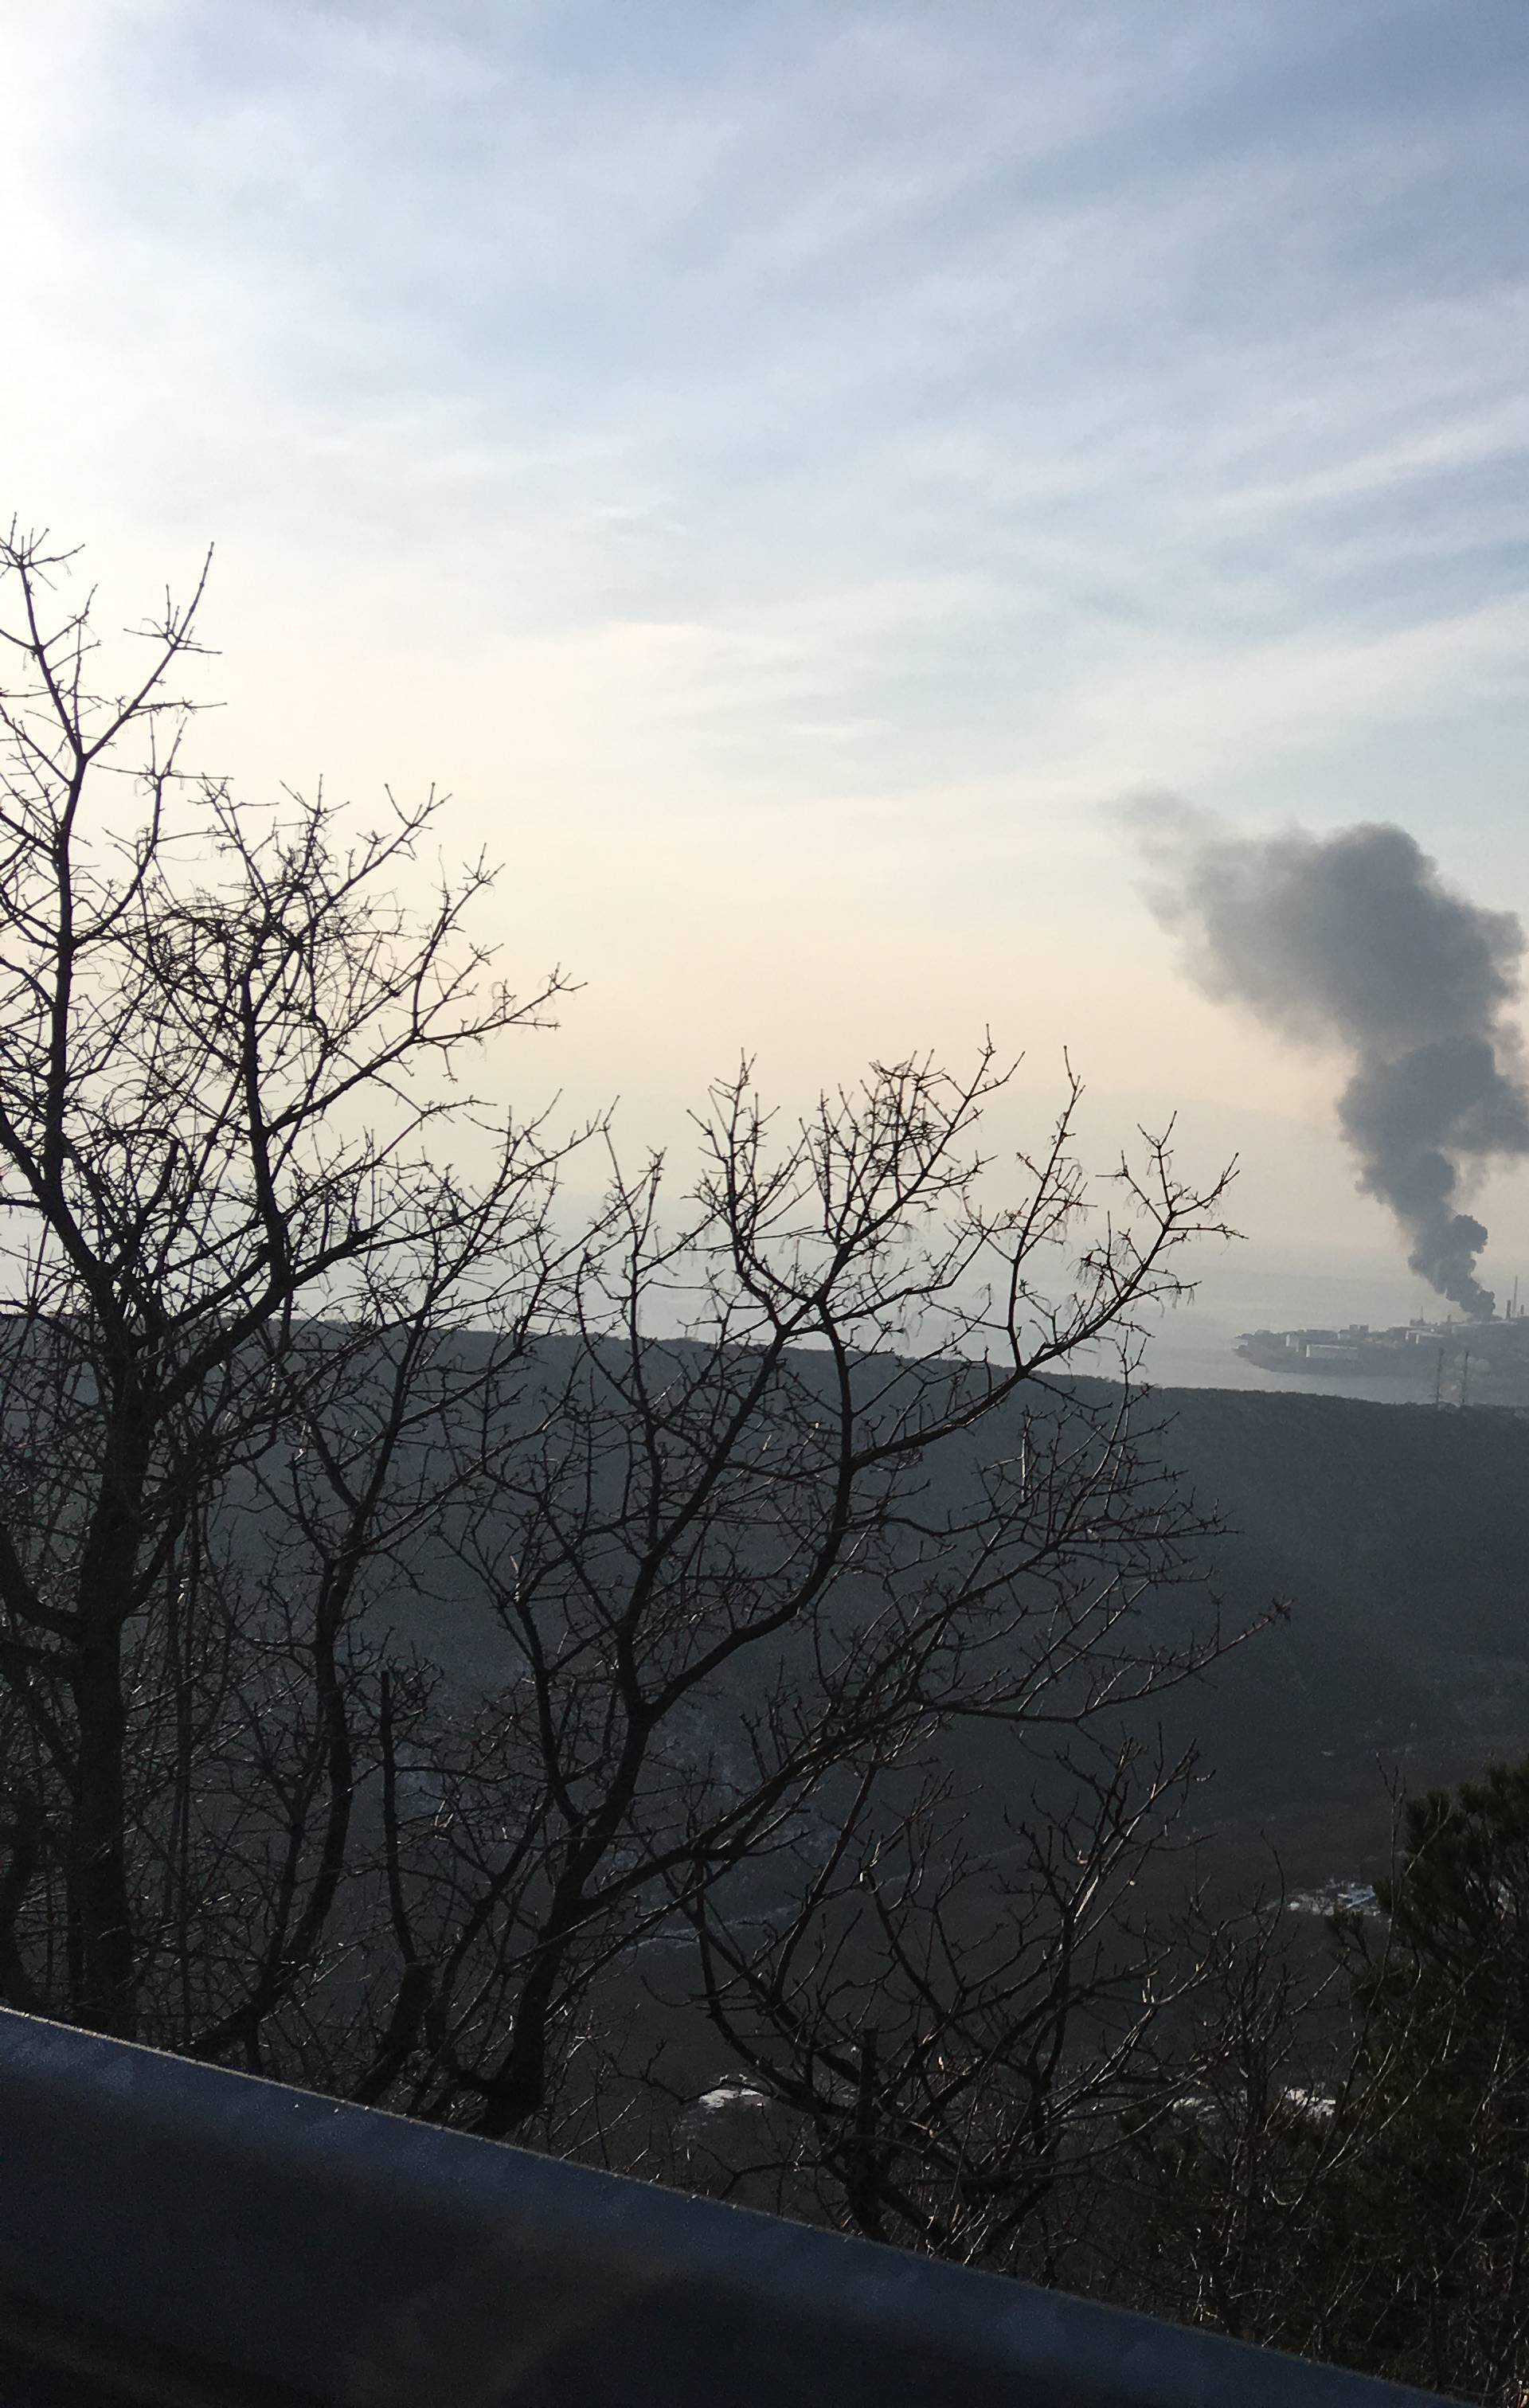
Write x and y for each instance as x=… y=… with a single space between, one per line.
x=1399 y=1536
x=1396 y=1538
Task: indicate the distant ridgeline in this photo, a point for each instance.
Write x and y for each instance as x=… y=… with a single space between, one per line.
x=1456 y=1362
x=1400 y=1538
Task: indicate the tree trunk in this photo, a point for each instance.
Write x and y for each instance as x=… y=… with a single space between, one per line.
x=103 y=1957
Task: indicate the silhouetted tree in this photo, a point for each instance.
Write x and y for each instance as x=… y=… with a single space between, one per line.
x=296 y=1360
x=747 y=1581
x=237 y=1234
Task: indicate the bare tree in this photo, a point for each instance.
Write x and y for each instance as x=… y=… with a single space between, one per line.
x=1233 y=2160
x=950 y=2034
x=231 y=1164
x=296 y=1365
x=750 y=1579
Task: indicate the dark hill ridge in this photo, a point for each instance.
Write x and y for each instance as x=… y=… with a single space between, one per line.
x=1399 y=1536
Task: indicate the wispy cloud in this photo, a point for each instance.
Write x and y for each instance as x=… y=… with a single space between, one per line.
x=693 y=412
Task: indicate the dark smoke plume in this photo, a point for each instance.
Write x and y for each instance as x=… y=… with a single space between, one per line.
x=1354 y=940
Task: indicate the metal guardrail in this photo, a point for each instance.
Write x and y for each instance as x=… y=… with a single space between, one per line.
x=173 y=2233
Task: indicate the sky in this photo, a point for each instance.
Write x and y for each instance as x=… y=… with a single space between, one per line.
x=790 y=472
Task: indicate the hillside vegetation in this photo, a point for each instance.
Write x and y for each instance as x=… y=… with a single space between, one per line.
x=1396 y=1538
x=1399 y=1537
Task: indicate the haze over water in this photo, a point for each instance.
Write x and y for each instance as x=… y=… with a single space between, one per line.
x=1194 y=1345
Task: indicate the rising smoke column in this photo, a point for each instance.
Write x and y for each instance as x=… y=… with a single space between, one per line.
x=1353 y=941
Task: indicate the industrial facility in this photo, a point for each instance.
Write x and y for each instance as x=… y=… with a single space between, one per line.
x=1457 y=1361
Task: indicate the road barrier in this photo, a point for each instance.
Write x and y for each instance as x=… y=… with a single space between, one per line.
x=173 y=2233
